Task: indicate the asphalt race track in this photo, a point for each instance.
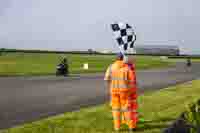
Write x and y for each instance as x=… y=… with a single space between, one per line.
x=26 y=99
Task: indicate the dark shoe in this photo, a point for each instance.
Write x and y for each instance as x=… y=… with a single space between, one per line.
x=132 y=130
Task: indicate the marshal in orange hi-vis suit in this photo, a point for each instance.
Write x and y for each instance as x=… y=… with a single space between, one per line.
x=122 y=81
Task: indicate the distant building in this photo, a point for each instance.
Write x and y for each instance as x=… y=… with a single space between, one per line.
x=106 y=52
x=158 y=49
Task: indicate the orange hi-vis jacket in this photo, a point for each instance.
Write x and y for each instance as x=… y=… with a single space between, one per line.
x=121 y=76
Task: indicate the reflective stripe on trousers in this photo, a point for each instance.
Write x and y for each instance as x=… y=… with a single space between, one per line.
x=124 y=110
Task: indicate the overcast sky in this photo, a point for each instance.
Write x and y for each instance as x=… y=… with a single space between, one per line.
x=83 y=24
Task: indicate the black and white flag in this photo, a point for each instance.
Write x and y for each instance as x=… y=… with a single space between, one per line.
x=124 y=35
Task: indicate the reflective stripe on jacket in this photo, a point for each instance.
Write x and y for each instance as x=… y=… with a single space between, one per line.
x=122 y=77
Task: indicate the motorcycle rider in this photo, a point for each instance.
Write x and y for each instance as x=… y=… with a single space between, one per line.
x=66 y=66
x=63 y=68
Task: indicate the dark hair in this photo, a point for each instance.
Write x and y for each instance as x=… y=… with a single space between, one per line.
x=120 y=58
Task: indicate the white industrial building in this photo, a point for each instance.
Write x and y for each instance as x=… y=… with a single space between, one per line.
x=158 y=49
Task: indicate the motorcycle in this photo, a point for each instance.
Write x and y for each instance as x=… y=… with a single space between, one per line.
x=189 y=63
x=62 y=70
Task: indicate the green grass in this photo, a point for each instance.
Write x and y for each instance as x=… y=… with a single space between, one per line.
x=192 y=115
x=183 y=59
x=44 y=64
x=157 y=109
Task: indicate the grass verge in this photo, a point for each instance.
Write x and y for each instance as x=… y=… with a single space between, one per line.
x=192 y=116
x=45 y=64
x=157 y=109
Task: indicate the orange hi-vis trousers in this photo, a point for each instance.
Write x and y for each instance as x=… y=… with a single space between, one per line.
x=124 y=109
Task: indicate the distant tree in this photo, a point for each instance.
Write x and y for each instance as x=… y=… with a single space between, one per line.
x=1 y=51
x=90 y=51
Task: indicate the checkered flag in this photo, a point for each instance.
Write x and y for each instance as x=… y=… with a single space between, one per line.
x=124 y=35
